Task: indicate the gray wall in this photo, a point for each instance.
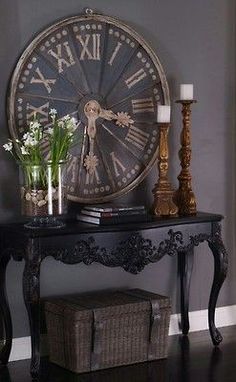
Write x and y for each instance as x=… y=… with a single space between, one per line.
x=195 y=41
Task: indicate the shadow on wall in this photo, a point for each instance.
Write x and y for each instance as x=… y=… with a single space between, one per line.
x=9 y=51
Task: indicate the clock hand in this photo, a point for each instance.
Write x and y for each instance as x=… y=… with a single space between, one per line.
x=107 y=114
x=91 y=110
x=123 y=119
x=91 y=131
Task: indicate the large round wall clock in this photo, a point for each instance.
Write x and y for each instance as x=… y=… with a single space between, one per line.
x=100 y=71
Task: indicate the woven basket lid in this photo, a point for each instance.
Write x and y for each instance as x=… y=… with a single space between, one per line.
x=104 y=304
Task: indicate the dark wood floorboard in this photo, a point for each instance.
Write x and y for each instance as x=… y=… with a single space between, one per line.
x=191 y=359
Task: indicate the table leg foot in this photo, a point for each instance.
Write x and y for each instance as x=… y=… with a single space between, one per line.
x=185 y=265
x=31 y=292
x=5 y=311
x=220 y=271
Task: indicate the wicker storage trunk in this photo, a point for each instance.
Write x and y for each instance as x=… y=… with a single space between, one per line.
x=107 y=329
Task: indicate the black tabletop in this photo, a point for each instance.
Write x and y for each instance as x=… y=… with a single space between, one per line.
x=72 y=226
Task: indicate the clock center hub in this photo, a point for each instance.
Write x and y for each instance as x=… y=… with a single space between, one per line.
x=90 y=107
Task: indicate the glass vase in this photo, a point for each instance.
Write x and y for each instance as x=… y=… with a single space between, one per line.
x=44 y=193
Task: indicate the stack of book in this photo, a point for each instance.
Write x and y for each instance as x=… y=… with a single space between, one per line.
x=112 y=214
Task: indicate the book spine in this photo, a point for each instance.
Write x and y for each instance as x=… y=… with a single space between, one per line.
x=88 y=219
x=115 y=209
x=112 y=220
x=121 y=220
x=112 y=214
x=123 y=213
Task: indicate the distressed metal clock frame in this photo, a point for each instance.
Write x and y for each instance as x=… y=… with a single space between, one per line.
x=29 y=50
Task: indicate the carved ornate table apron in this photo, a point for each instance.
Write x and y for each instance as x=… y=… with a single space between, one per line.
x=130 y=246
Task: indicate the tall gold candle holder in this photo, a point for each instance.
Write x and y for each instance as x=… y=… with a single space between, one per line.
x=184 y=196
x=163 y=205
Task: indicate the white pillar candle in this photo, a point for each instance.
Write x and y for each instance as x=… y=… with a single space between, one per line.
x=163 y=114
x=186 y=92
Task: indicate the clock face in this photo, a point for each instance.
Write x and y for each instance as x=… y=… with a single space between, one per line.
x=101 y=72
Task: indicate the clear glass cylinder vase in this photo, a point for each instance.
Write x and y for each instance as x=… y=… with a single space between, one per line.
x=44 y=193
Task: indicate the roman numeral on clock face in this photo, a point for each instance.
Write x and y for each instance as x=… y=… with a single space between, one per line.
x=91 y=45
x=43 y=81
x=72 y=168
x=135 y=78
x=118 y=166
x=92 y=177
x=40 y=111
x=137 y=137
x=143 y=105
x=67 y=61
x=114 y=54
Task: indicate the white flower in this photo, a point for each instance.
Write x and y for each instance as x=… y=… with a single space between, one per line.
x=8 y=146
x=26 y=136
x=31 y=141
x=50 y=131
x=66 y=118
x=71 y=125
x=74 y=121
x=35 y=125
x=53 y=112
x=24 y=151
x=17 y=140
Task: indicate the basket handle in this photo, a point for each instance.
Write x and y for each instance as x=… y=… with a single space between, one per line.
x=155 y=318
x=155 y=315
x=97 y=327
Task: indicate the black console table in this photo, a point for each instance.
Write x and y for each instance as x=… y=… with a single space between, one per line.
x=130 y=246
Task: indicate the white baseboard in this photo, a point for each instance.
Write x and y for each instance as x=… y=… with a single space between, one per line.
x=198 y=320
x=225 y=316
x=21 y=349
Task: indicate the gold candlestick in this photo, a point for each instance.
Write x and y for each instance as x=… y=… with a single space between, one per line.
x=184 y=196
x=163 y=205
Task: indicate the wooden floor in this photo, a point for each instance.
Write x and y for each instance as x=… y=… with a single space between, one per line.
x=192 y=359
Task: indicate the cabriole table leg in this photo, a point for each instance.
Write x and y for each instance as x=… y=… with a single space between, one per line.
x=5 y=311
x=31 y=292
x=185 y=265
x=220 y=271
